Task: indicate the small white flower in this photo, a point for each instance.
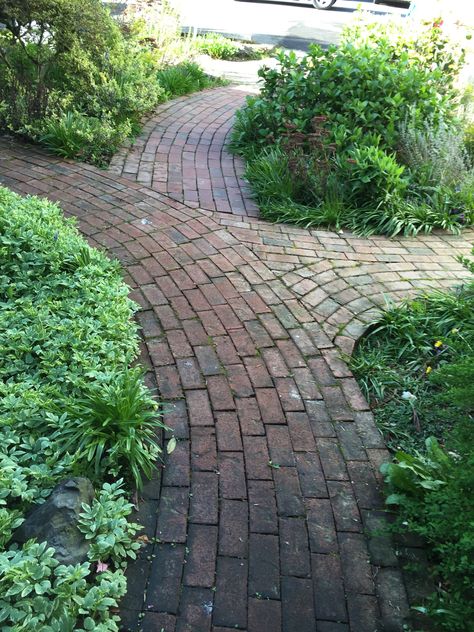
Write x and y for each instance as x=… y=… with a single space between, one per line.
x=408 y=396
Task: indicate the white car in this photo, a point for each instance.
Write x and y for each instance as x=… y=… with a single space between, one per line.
x=317 y=4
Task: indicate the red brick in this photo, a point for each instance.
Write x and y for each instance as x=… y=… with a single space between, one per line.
x=182 y=308
x=226 y=350
x=294 y=551
x=204 y=498
x=154 y=295
x=203 y=449
x=262 y=506
x=257 y=372
x=232 y=482
x=220 y=393
x=288 y=492
x=228 y=432
x=167 y=317
x=264 y=566
x=349 y=441
x=208 y=360
x=264 y=615
x=364 y=484
x=275 y=363
x=258 y=334
x=153 y=621
x=190 y=373
x=179 y=345
x=355 y=564
x=239 y=381
x=257 y=458
x=233 y=528
x=270 y=407
x=193 y=617
x=195 y=332
x=329 y=596
x=169 y=384
x=297 y=605
x=289 y=395
x=201 y=559
x=336 y=403
x=310 y=474
x=175 y=417
x=291 y=353
x=230 y=607
x=176 y=469
x=300 y=431
x=165 y=578
x=243 y=342
x=212 y=324
x=199 y=408
x=279 y=445
x=334 y=466
x=249 y=416
x=173 y=514
x=160 y=353
x=321 y=527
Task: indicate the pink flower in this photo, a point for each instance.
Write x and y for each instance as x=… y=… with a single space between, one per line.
x=102 y=567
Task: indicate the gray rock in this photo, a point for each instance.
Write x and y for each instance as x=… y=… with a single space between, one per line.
x=55 y=521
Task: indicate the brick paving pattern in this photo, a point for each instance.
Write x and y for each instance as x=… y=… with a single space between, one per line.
x=266 y=517
x=181 y=152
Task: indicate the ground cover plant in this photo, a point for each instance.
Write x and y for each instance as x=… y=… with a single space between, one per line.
x=69 y=405
x=356 y=136
x=416 y=367
x=78 y=81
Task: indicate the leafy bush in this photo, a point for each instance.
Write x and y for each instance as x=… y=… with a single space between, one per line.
x=67 y=341
x=433 y=492
x=217 y=46
x=75 y=135
x=362 y=89
x=72 y=79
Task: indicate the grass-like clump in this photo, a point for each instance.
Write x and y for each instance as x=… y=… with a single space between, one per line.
x=416 y=367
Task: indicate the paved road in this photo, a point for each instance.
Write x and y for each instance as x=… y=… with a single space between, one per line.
x=276 y=23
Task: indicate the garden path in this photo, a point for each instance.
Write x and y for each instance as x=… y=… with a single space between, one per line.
x=181 y=152
x=264 y=517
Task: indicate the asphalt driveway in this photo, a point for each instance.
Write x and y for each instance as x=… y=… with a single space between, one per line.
x=276 y=23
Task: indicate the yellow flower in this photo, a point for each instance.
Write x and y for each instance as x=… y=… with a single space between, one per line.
x=438 y=344
x=454 y=331
x=428 y=369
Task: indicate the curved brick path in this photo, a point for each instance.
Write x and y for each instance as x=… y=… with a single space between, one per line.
x=242 y=323
x=181 y=152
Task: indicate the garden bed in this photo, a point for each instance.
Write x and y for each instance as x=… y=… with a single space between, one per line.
x=70 y=405
x=416 y=367
x=372 y=135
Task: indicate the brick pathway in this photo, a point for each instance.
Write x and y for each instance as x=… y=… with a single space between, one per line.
x=266 y=514
x=181 y=152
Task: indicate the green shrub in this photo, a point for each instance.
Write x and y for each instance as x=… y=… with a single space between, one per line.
x=372 y=176
x=433 y=492
x=67 y=341
x=113 y=425
x=72 y=79
x=53 y=282
x=183 y=79
x=361 y=90
x=217 y=46
x=75 y=135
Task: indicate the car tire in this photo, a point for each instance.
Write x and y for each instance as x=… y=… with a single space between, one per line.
x=323 y=4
